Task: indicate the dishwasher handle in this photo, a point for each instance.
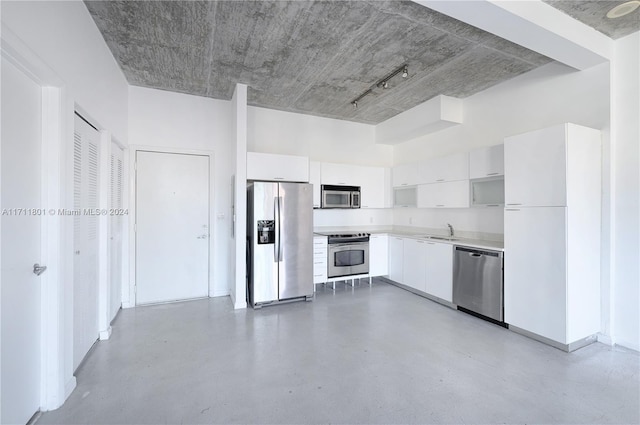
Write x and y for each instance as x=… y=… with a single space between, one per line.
x=479 y=252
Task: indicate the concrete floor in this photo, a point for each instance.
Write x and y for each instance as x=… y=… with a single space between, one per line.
x=365 y=355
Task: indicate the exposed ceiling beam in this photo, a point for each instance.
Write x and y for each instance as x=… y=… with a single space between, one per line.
x=534 y=25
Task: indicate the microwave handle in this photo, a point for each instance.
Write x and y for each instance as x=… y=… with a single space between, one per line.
x=355 y=200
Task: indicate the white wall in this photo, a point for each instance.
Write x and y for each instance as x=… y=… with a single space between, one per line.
x=62 y=41
x=321 y=139
x=625 y=166
x=65 y=37
x=162 y=119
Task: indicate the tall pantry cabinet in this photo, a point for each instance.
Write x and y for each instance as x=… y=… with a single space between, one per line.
x=552 y=234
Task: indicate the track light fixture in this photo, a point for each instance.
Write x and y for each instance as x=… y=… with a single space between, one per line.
x=383 y=84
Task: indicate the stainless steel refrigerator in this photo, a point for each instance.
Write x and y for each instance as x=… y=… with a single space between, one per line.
x=279 y=242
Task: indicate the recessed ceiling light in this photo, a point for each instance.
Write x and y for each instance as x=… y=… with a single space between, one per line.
x=623 y=9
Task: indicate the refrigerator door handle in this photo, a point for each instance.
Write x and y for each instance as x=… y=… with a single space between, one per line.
x=279 y=228
x=276 y=230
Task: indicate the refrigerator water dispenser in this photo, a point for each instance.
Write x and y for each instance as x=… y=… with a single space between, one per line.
x=266 y=232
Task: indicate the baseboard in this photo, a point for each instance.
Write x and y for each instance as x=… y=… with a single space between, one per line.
x=106 y=334
x=573 y=346
x=605 y=339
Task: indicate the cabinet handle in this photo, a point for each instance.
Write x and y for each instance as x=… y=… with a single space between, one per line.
x=514 y=204
x=512 y=209
x=493 y=174
x=403 y=184
x=440 y=205
x=440 y=180
x=278 y=178
x=493 y=205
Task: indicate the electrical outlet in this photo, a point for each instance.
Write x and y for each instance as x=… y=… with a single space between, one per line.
x=410 y=220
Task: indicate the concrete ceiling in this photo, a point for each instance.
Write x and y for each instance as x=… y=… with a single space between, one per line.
x=594 y=14
x=311 y=57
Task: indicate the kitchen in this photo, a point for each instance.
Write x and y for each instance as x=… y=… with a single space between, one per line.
x=549 y=95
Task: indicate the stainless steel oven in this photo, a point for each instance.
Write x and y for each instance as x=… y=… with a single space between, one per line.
x=348 y=255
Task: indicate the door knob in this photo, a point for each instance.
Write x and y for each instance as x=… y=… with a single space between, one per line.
x=38 y=269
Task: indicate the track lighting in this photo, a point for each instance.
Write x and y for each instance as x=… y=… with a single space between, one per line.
x=383 y=84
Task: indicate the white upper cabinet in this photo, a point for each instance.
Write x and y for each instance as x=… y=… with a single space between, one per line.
x=314 y=179
x=444 y=195
x=445 y=169
x=266 y=166
x=339 y=174
x=405 y=175
x=536 y=168
x=486 y=162
x=372 y=186
x=371 y=181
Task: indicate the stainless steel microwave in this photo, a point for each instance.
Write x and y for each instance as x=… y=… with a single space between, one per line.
x=340 y=196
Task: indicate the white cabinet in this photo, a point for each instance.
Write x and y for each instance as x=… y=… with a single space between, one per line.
x=439 y=270
x=371 y=181
x=339 y=174
x=314 y=179
x=486 y=162
x=266 y=166
x=396 y=254
x=319 y=259
x=535 y=270
x=535 y=168
x=414 y=265
x=552 y=253
x=405 y=197
x=404 y=175
x=444 y=169
x=379 y=255
x=372 y=185
x=444 y=195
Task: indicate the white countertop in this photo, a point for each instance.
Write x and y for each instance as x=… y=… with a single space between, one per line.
x=417 y=233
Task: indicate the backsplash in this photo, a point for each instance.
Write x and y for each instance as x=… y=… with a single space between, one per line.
x=472 y=223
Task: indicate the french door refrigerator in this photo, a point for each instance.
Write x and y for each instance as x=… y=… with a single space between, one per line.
x=279 y=242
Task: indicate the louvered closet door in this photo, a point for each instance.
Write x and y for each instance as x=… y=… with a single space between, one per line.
x=117 y=217
x=86 y=160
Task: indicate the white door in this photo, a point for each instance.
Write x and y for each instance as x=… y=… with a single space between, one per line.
x=86 y=160
x=172 y=227
x=20 y=293
x=117 y=217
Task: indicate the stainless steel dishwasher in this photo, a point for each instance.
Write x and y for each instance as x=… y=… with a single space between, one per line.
x=478 y=282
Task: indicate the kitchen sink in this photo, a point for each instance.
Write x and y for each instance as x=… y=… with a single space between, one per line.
x=440 y=238
x=443 y=238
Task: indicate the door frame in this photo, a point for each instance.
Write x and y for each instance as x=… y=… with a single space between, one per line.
x=129 y=293
x=56 y=380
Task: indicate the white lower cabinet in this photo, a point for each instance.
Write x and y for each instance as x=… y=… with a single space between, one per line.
x=535 y=271
x=439 y=270
x=396 y=254
x=319 y=259
x=378 y=255
x=414 y=265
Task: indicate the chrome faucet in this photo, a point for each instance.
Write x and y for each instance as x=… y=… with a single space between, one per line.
x=450 y=230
